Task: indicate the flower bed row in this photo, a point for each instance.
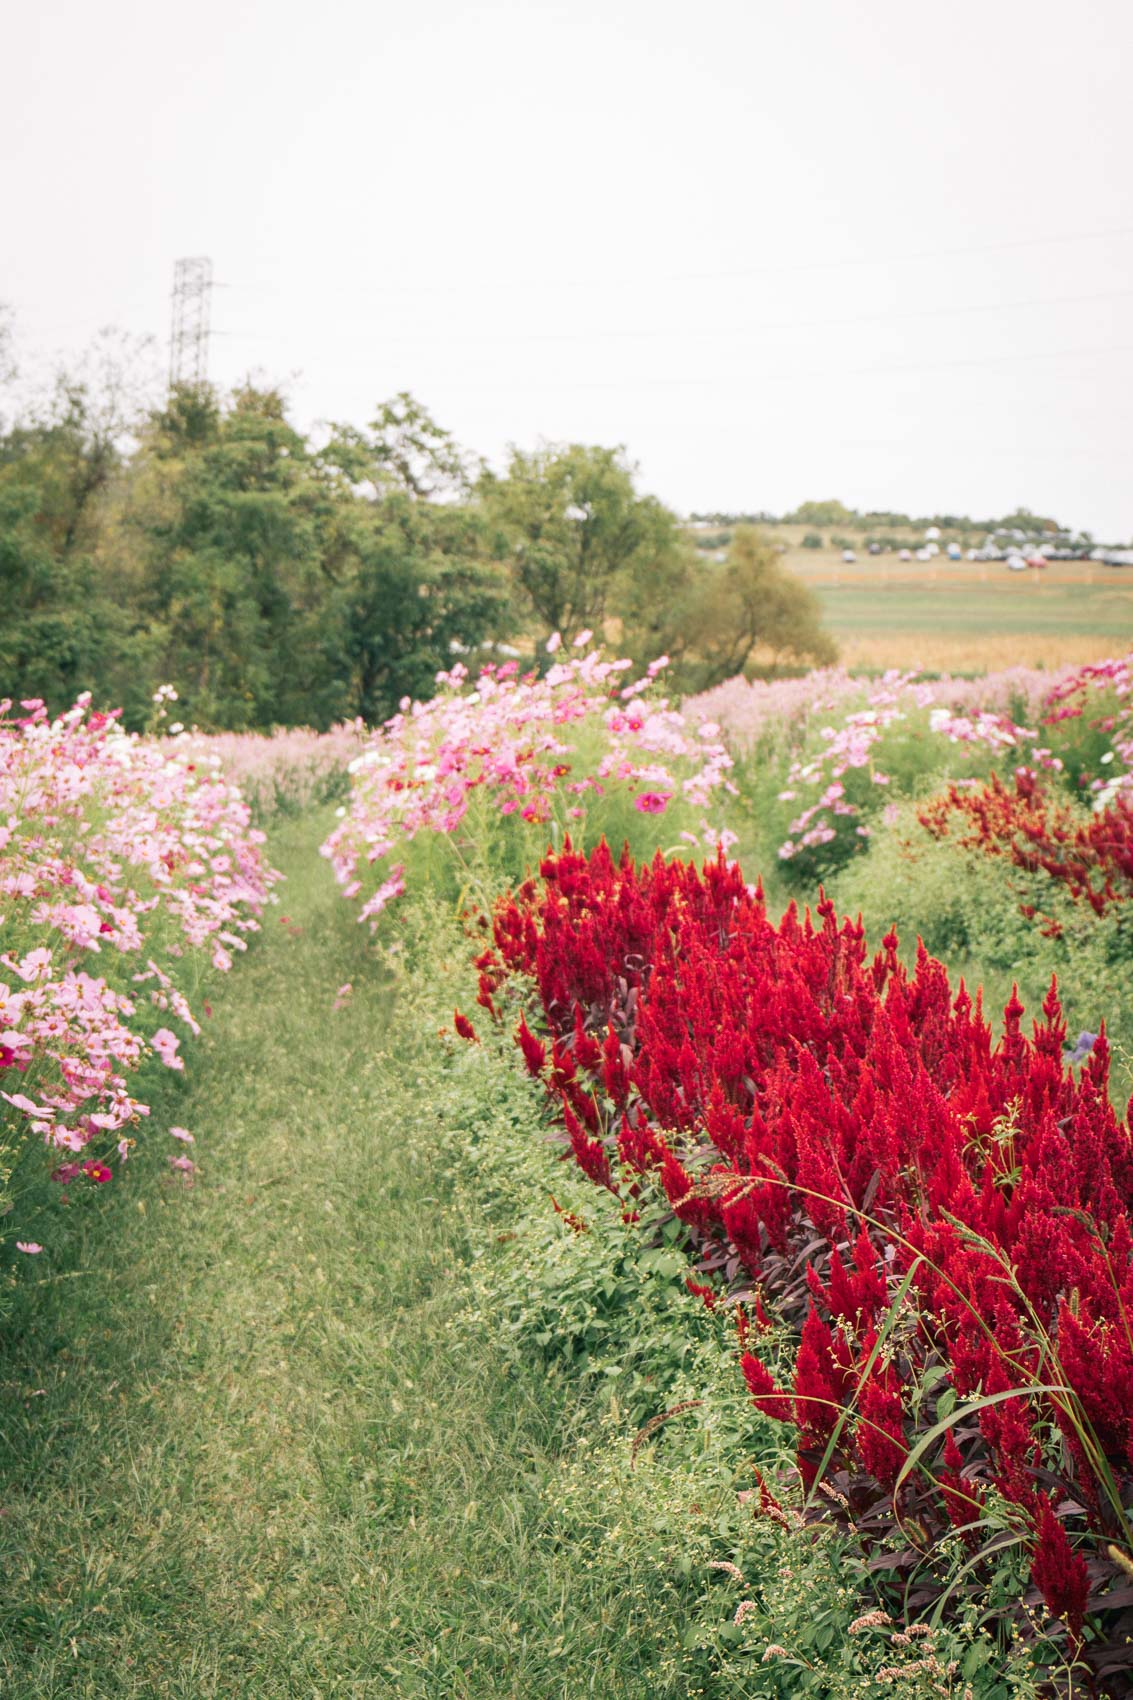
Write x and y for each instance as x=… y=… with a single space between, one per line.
x=941 y=1217
x=125 y=868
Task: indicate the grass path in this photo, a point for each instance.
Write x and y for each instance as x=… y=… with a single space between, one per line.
x=246 y=1451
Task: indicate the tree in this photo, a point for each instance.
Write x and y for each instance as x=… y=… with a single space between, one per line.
x=59 y=460
x=415 y=584
x=419 y=591
x=575 y=532
x=822 y=513
x=404 y=449
x=715 y=621
x=223 y=522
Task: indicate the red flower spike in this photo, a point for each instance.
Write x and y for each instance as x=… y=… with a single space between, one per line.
x=464 y=1028
x=1059 y=1573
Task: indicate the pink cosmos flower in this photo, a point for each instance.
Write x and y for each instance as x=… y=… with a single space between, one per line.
x=185 y=1165
x=652 y=802
x=554 y=642
x=29 y=1246
x=97 y=1172
x=183 y=1134
x=165 y=1044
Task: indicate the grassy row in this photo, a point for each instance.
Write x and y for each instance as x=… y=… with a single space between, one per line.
x=256 y=1438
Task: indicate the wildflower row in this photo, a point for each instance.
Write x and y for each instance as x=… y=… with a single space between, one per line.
x=1089 y=856
x=283 y=772
x=538 y=750
x=123 y=870
x=753 y=712
x=854 y=746
x=941 y=1218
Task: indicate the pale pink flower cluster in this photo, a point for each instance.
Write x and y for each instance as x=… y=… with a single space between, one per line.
x=751 y=711
x=291 y=769
x=537 y=748
x=115 y=851
x=852 y=745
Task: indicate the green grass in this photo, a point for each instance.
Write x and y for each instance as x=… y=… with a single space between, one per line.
x=252 y=1443
x=949 y=605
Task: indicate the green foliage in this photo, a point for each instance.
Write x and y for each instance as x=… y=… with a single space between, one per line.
x=719 y=619
x=812 y=540
x=55 y=468
x=403 y=450
x=210 y=544
x=821 y=513
x=272 y=582
x=576 y=534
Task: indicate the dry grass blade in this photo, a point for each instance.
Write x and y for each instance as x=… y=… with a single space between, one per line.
x=655 y=1423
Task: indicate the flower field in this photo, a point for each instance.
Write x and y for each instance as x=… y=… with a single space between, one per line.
x=817 y=1222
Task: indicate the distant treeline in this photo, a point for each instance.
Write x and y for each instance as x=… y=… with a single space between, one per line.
x=277 y=579
x=837 y=513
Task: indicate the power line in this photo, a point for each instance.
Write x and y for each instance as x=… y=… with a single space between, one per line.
x=732 y=332
x=826 y=373
x=774 y=268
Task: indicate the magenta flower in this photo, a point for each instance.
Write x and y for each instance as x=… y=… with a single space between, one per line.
x=652 y=802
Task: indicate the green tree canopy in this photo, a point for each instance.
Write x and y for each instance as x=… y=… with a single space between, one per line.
x=715 y=620
x=821 y=513
x=575 y=533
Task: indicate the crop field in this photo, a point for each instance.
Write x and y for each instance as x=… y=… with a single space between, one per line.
x=447 y=1255
x=969 y=616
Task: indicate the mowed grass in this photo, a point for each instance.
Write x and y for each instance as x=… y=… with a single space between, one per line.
x=251 y=1446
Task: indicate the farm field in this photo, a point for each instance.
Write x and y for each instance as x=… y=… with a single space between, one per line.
x=967 y=617
x=576 y=1278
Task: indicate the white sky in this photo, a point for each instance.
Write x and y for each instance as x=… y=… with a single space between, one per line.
x=779 y=248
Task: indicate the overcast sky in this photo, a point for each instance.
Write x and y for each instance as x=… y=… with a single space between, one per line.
x=779 y=248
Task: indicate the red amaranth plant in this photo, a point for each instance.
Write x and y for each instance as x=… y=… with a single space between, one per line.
x=1091 y=857
x=847 y=1143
